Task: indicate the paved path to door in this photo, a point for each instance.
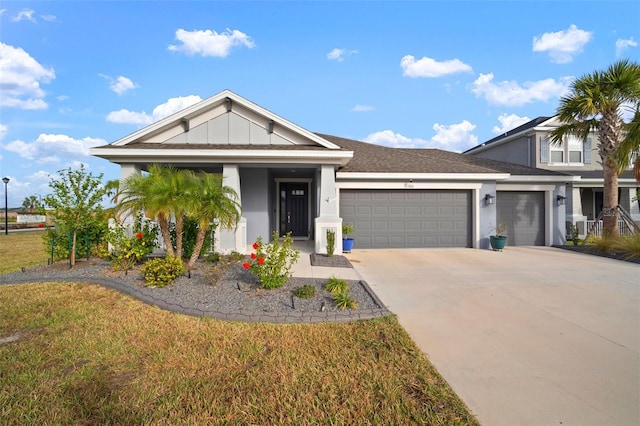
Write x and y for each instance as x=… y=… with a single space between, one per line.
x=528 y=336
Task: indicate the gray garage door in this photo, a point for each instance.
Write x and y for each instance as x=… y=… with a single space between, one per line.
x=411 y=218
x=523 y=212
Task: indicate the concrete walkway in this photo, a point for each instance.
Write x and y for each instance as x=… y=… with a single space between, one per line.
x=528 y=336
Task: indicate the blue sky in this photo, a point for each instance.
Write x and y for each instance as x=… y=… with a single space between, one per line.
x=449 y=75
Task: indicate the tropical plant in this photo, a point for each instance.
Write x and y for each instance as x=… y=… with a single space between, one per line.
x=272 y=262
x=207 y=199
x=336 y=285
x=75 y=202
x=344 y=301
x=159 y=194
x=597 y=103
x=32 y=204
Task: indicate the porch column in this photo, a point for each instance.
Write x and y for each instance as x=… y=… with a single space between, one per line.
x=232 y=239
x=633 y=197
x=328 y=218
x=126 y=171
x=574 y=211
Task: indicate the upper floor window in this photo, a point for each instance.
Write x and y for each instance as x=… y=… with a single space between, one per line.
x=571 y=151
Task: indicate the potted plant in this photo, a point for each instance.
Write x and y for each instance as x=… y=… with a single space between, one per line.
x=498 y=241
x=347 y=243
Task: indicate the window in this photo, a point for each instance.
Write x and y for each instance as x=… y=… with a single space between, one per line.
x=556 y=153
x=575 y=150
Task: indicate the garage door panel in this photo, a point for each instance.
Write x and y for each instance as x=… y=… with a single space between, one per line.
x=408 y=218
x=524 y=214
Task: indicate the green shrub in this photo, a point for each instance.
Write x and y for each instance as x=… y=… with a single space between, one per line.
x=130 y=246
x=331 y=242
x=307 y=291
x=336 y=285
x=86 y=239
x=272 y=262
x=162 y=271
x=347 y=229
x=234 y=256
x=343 y=301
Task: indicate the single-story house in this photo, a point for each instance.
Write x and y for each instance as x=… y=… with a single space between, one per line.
x=289 y=179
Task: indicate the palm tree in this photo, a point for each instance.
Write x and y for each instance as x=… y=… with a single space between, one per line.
x=595 y=103
x=153 y=195
x=209 y=199
x=31 y=203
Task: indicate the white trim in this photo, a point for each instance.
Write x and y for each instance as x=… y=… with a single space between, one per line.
x=211 y=102
x=425 y=176
x=529 y=178
x=222 y=155
x=506 y=187
x=475 y=218
x=308 y=181
x=408 y=185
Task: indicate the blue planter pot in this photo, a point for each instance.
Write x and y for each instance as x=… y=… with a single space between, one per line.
x=347 y=245
x=498 y=243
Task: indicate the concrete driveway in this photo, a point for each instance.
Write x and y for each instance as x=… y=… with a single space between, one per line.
x=527 y=336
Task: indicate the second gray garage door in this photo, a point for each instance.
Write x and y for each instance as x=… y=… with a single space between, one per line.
x=523 y=213
x=408 y=218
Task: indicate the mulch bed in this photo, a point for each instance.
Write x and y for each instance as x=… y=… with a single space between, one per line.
x=335 y=261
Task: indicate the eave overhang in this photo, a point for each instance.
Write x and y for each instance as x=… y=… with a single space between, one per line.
x=240 y=156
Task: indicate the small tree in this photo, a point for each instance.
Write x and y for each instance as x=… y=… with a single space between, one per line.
x=75 y=201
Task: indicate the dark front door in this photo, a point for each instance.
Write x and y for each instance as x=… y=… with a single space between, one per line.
x=294 y=209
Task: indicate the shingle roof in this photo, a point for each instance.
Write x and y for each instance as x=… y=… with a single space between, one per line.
x=371 y=158
x=533 y=123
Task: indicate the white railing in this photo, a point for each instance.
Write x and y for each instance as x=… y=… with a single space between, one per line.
x=597 y=229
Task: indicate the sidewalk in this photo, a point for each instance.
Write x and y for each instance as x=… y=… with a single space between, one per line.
x=304 y=269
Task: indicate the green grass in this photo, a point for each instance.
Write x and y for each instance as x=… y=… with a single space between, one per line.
x=89 y=355
x=21 y=249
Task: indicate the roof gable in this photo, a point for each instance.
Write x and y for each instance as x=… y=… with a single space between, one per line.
x=225 y=119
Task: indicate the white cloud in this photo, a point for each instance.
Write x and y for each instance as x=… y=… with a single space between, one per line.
x=48 y=18
x=172 y=106
x=508 y=122
x=339 y=54
x=120 y=85
x=20 y=78
x=210 y=43
x=362 y=108
x=511 y=93
x=62 y=98
x=428 y=67
x=24 y=15
x=3 y=131
x=624 y=44
x=455 y=137
x=50 y=149
x=562 y=45
x=124 y=116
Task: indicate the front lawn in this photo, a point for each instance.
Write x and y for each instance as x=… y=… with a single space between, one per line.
x=76 y=353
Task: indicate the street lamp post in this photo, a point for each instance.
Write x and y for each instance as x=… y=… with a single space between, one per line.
x=6 y=206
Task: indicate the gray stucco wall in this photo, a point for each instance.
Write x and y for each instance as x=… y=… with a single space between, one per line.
x=254 y=184
x=516 y=151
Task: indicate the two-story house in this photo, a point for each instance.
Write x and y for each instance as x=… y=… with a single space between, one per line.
x=529 y=145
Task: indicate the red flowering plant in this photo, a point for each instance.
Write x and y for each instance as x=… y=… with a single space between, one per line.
x=126 y=250
x=272 y=262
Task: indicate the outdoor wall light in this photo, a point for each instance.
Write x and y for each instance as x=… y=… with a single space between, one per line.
x=561 y=200
x=489 y=199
